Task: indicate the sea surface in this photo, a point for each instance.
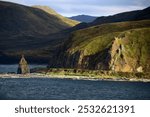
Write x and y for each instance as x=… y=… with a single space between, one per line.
x=66 y=89
x=69 y=89
x=13 y=68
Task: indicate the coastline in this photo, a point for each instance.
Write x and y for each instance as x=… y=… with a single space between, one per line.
x=74 y=77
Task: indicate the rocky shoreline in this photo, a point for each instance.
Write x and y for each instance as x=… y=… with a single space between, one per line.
x=40 y=75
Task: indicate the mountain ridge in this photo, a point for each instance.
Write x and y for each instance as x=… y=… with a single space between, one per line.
x=125 y=16
x=120 y=17
x=83 y=18
x=53 y=12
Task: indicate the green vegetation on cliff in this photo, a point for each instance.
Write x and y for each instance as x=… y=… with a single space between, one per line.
x=81 y=38
x=120 y=46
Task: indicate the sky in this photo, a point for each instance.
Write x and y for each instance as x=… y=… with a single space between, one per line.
x=88 y=7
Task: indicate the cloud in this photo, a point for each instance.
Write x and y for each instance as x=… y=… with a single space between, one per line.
x=141 y=2
x=89 y=7
x=96 y=10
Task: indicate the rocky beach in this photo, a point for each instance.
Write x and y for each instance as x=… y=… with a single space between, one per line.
x=40 y=75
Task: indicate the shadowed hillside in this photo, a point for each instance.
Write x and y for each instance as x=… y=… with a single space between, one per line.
x=27 y=30
x=17 y=18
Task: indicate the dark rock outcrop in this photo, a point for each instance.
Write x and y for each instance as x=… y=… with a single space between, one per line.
x=23 y=67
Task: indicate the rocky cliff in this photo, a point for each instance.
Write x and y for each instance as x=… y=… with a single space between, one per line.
x=117 y=46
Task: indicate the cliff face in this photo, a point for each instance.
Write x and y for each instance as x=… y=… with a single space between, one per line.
x=120 y=49
x=131 y=52
x=118 y=60
x=81 y=61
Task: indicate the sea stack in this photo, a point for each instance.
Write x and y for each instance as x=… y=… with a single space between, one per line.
x=23 y=67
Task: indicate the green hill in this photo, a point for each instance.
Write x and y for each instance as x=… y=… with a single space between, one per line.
x=120 y=46
x=21 y=19
x=125 y=16
x=120 y=17
x=52 y=12
x=29 y=30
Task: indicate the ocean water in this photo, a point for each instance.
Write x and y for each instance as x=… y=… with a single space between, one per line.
x=66 y=89
x=14 y=67
x=46 y=88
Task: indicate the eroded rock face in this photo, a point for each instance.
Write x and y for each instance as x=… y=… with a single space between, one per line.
x=128 y=51
x=116 y=58
x=23 y=67
x=118 y=61
x=121 y=60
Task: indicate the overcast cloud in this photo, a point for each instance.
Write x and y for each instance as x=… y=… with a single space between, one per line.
x=88 y=7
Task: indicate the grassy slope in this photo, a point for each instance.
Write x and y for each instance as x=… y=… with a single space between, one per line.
x=52 y=12
x=135 y=37
x=125 y=16
x=103 y=33
x=136 y=47
x=121 y=17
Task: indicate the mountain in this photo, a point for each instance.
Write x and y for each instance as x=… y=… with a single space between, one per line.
x=126 y=16
x=15 y=17
x=121 y=46
x=83 y=18
x=120 y=17
x=24 y=28
x=119 y=42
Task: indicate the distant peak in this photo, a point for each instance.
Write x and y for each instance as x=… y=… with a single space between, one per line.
x=84 y=18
